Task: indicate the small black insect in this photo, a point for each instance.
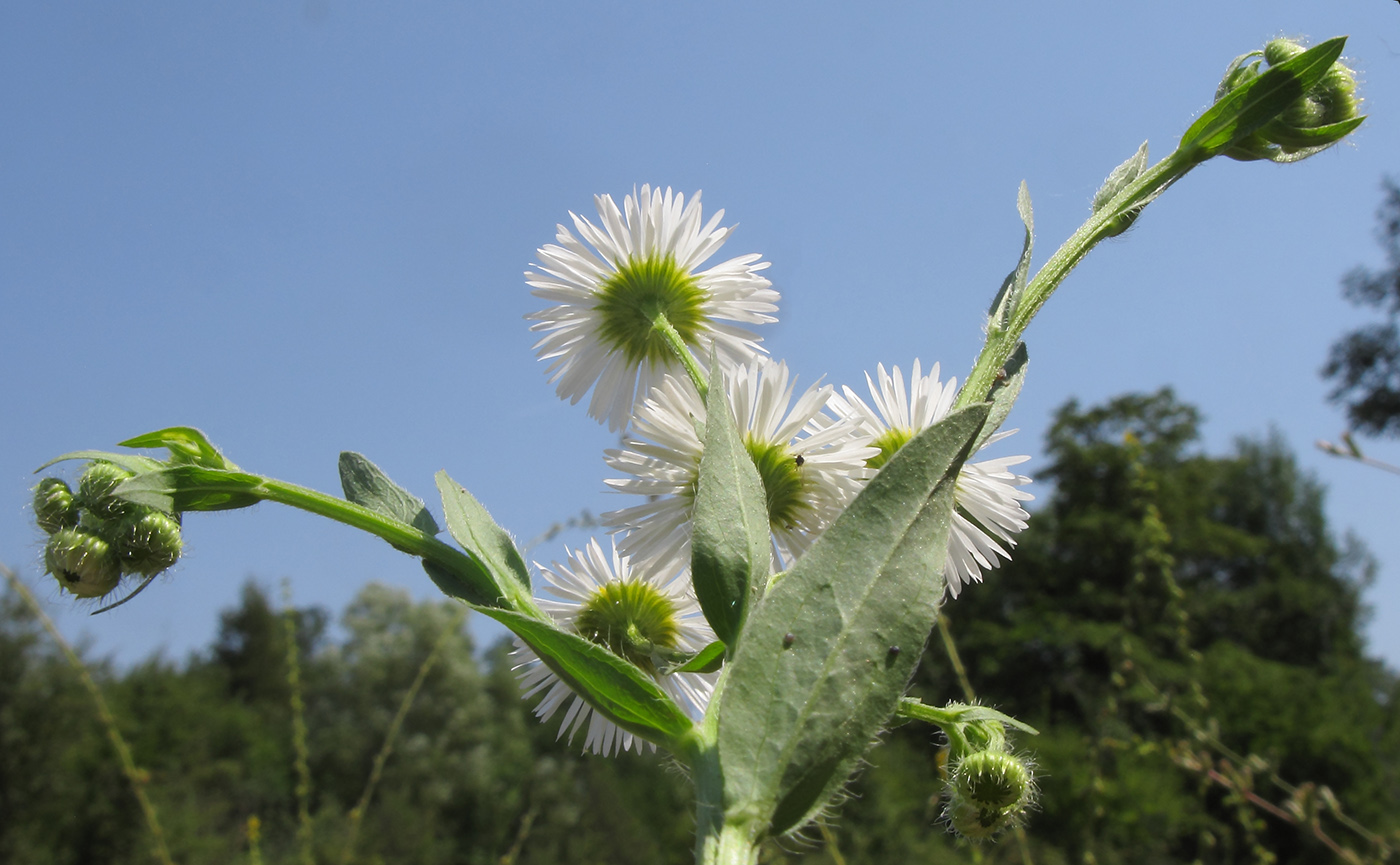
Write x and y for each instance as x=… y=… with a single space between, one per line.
x=799 y=460
x=788 y=640
x=894 y=650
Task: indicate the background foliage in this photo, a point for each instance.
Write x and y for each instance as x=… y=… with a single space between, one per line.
x=1181 y=627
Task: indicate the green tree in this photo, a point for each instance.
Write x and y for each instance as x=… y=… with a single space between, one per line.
x=1160 y=592
x=1365 y=364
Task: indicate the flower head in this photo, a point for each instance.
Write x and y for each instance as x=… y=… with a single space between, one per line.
x=810 y=463
x=988 y=508
x=638 y=617
x=642 y=261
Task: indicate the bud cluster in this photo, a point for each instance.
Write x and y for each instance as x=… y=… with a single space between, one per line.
x=990 y=789
x=95 y=536
x=1313 y=122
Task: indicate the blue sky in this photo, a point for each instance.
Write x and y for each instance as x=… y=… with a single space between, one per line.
x=303 y=229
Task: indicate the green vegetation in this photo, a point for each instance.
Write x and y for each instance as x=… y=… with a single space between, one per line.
x=1183 y=629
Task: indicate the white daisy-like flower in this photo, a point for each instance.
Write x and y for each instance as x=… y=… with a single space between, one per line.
x=988 y=500
x=642 y=260
x=811 y=464
x=635 y=615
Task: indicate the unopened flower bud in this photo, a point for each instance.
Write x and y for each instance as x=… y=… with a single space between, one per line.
x=83 y=563
x=95 y=490
x=54 y=507
x=977 y=824
x=993 y=780
x=147 y=542
x=1326 y=114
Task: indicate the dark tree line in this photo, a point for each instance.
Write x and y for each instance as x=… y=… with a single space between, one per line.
x=1180 y=627
x=1365 y=364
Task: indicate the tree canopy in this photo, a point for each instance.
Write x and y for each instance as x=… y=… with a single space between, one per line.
x=1184 y=629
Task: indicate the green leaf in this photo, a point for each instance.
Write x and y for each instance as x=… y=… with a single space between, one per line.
x=188 y=446
x=1004 y=304
x=623 y=693
x=829 y=650
x=707 y=660
x=192 y=488
x=730 y=545
x=1258 y=101
x=917 y=710
x=1119 y=179
x=1004 y=393
x=366 y=484
x=134 y=463
x=484 y=540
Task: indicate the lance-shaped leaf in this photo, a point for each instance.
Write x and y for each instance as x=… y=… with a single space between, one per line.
x=828 y=652
x=730 y=544
x=1004 y=393
x=366 y=484
x=188 y=446
x=134 y=463
x=1119 y=179
x=485 y=541
x=617 y=689
x=192 y=488
x=1004 y=304
x=1251 y=105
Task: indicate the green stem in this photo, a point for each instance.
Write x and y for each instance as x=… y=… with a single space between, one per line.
x=720 y=839
x=682 y=352
x=1002 y=342
x=403 y=537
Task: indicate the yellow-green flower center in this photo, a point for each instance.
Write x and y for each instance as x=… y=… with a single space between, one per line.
x=632 y=619
x=630 y=299
x=889 y=442
x=785 y=485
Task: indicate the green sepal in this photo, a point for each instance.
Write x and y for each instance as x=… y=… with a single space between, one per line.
x=1004 y=304
x=187 y=446
x=484 y=540
x=134 y=463
x=366 y=484
x=621 y=692
x=730 y=544
x=916 y=710
x=1004 y=393
x=192 y=488
x=1318 y=137
x=829 y=650
x=1246 y=108
x=1119 y=178
x=707 y=660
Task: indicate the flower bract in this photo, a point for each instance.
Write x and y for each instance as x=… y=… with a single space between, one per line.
x=811 y=464
x=643 y=619
x=611 y=282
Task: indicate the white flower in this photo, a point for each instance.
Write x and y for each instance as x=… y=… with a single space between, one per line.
x=600 y=335
x=604 y=599
x=986 y=491
x=811 y=464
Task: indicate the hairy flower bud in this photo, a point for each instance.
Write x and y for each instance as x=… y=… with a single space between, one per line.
x=95 y=490
x=1316 y=120
x=83 y=563
x=54 y=507
x=993 y=780
x=147 y=542
x=989 y=791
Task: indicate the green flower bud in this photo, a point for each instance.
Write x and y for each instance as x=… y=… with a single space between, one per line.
x=977 y=824
x=994 y=780
x=95 y=490
x=83 y=563
x=147 y=542
x=1315 y=121
x=54 y=507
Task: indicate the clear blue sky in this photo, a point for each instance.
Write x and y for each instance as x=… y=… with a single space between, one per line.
x=302 y=228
